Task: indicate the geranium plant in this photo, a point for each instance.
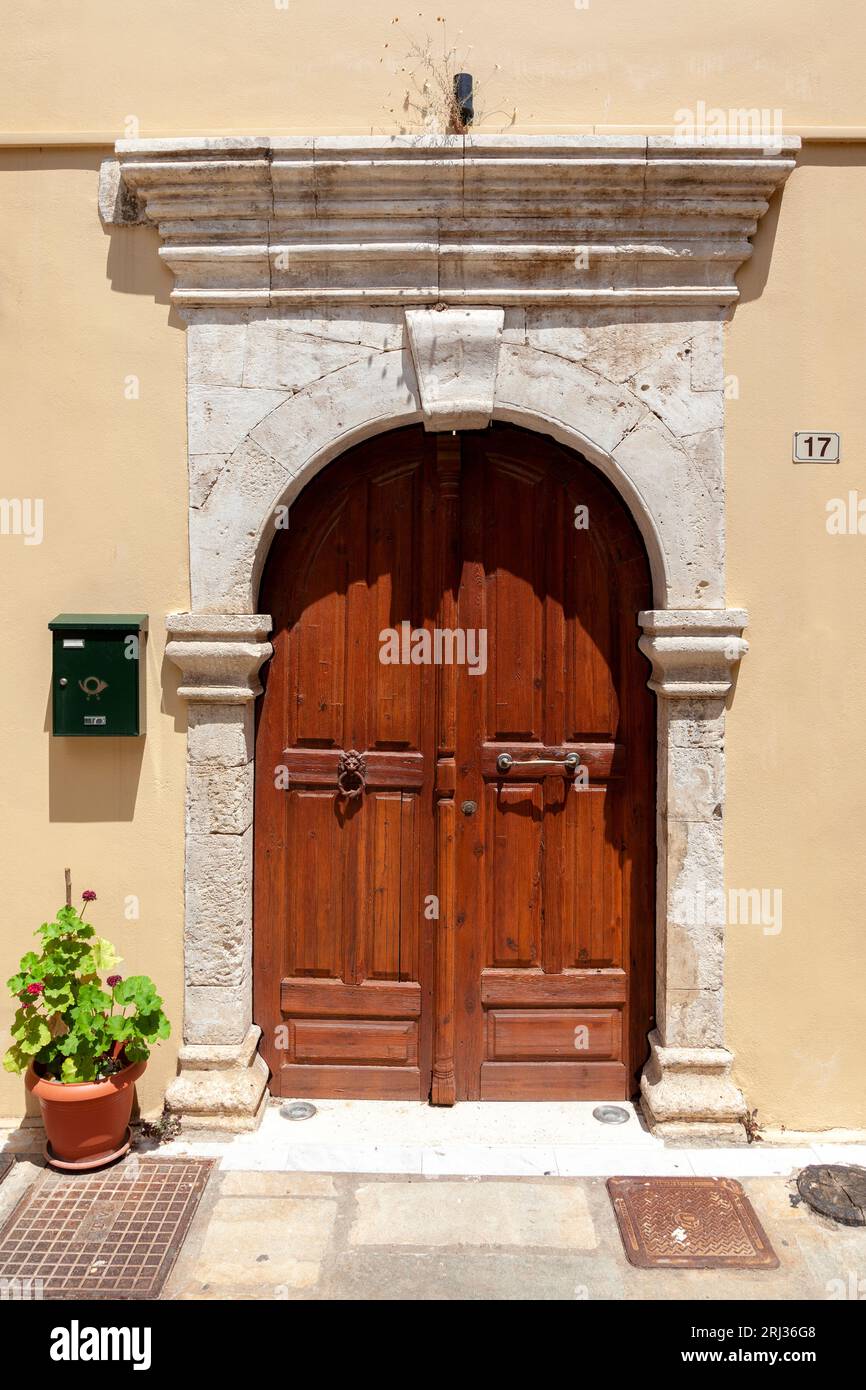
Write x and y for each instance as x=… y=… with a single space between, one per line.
x=70 y=1025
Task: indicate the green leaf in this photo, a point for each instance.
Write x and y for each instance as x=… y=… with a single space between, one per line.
x=33 y=1032
x=118 y=1028
x=103 y=954
x=15 y=1059
x=58 y=994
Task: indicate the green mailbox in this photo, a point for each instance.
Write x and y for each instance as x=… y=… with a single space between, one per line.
x=96 y=681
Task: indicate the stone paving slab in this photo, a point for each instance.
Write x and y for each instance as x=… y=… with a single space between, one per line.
x=460 y=1214
x=279 y=1236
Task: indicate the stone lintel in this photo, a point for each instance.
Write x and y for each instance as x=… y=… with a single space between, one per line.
x=483 y=220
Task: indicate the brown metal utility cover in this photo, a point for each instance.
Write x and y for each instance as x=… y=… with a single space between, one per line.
x=113 y=1234
x=837 y=1190
x=689 y=1223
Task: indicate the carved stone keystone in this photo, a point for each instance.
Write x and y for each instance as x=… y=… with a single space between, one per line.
x=456 y=355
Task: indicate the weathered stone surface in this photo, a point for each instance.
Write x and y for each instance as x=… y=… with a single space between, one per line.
x=616 y=343
x=215 y=348
x=118 y=205
x=374 y=326
x=341 y=408
x=219 y=655
x=265 y=1247
x=217 y=1014
x=253 y=1184
x=458 y=1213
x=278 y=355
x=220 y=417
x=693 y=652
x=219 y=733
x=240 y=506
x=676 y=495
x=665 y=387
x=219 y=798
x=694 y=954
x=694 y=783
x=688 y=1091
x=456 y=355
x=204 y=469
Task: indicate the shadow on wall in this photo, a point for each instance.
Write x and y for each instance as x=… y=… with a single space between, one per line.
x=92 y=780
x=752 y=276
x=134 y=266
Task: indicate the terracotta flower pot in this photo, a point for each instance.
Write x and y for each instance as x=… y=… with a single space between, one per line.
x=85 y=1121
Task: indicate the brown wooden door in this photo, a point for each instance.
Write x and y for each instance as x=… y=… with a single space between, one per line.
x=455 y=930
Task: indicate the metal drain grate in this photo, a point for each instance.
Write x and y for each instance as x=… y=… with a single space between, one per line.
x=689 y=1223
x=113 y=1234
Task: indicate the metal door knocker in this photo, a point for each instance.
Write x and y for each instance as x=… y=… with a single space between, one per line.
x=351 y=774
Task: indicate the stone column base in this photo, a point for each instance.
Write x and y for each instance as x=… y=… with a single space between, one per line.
x=220 y=1087
x=687 y=1095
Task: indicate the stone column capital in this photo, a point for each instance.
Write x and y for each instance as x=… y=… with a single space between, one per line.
x=693 y=652
x=219 y=654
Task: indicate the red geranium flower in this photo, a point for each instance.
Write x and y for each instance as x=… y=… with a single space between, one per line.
x=113 y=980
x=35 y=989
x=88 y=895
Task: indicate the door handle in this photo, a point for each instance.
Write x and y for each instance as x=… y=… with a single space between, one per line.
x=568 y=763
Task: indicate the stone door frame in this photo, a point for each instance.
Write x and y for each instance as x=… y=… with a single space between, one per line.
x=338 y=288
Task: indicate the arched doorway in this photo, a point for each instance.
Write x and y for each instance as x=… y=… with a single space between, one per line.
x=455 y=779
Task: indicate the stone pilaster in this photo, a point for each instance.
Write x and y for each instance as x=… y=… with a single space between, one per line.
x=686 y=1088
x=222 y=1081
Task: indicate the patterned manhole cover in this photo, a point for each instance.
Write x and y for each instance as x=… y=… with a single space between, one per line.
x=837 y=1190
x=689 y=1223
x=113 y=1234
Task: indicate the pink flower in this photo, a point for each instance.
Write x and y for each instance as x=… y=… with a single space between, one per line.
x=113 y=980
x=88 y=895
x=35 y=989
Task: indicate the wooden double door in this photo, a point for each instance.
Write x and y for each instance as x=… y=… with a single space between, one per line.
x=455 y=772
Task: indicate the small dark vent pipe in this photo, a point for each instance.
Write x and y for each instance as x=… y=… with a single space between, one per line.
x=463 y=98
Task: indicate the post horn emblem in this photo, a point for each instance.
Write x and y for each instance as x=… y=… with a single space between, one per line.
x=92 y=685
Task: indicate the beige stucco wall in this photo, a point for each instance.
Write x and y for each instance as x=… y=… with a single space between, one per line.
x=83 y=310
x=796 y=1003
x=287 y=66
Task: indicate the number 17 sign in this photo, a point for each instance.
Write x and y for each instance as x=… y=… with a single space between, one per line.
x=811 y=446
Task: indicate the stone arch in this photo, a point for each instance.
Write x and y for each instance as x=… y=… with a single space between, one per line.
x=231 y=532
